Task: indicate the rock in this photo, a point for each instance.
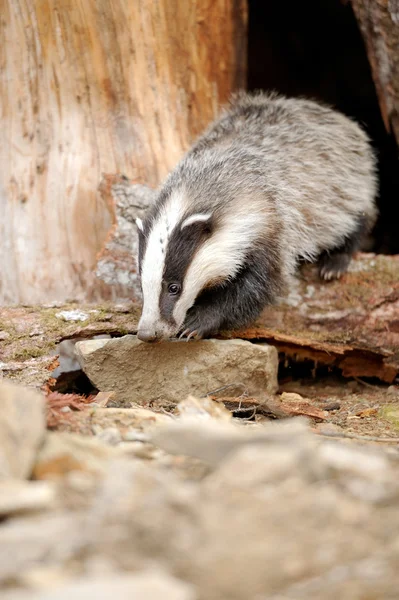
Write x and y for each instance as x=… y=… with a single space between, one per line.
x=110 y=436
x=21 y=496
x=128 y=419
x=215 y=441
x=148 y=585
x=292 y=397
x=72 y=315
x=364 y=473
x=38 y=540
x=257 y=465
x=22 y=429
x=281 y=513
x=393 y=390
x=66 y=452
x=168 y=372
x=204 y=408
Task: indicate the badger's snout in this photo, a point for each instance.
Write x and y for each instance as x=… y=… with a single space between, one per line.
x=154 y=332
x=146 y=335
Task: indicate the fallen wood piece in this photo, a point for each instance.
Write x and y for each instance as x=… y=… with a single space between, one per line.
x=352 y=324
x=299 y=406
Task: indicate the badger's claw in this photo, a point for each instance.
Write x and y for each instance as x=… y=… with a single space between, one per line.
x=193 y=334
x=333 y=266
x=328 y=275
x=188 y=334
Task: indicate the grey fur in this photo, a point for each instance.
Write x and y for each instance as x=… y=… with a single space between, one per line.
x=302 y=172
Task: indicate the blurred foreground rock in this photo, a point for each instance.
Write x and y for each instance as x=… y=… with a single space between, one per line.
x=22 y=428
x=274 y=513
x=146 y=585
x=167 y=372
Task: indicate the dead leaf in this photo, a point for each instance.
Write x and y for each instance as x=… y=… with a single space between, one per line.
x=304 y=409
x=367 y=412
x=103 y=398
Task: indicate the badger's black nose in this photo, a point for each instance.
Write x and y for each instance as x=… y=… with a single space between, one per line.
x=146 y=335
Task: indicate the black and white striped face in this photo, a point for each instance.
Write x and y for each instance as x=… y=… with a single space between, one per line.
x=167 y=247
x=182 y=252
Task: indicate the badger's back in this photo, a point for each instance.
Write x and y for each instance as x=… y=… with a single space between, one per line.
x=312 y=162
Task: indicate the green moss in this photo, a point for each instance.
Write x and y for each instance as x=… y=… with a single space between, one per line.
x=390 y=413
x=7 y=326
x=28 y=352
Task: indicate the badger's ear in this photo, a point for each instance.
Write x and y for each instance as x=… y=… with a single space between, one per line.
x=200 y=218
x=140 y=225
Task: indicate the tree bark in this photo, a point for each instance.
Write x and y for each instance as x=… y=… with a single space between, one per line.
x=91 y=87
x=379 y=24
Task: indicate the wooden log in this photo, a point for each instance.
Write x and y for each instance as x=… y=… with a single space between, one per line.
x=379 y=23
x=91 y=87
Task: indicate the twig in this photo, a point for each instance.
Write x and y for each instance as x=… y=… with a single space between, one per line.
x=249 y=419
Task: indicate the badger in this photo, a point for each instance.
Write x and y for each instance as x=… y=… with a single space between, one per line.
x=274 y=181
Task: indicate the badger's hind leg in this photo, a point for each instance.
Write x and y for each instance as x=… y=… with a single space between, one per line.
x=335 y=262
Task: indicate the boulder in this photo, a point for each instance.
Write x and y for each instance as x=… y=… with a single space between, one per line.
x=168 y=372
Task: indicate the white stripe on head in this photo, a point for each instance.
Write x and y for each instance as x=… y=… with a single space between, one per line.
x=139 y=224
x=154 y=257
x=198 y=218
x=220 y=257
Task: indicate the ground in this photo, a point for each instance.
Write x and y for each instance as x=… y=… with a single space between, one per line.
x=312 y=351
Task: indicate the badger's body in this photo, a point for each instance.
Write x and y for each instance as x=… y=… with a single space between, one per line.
x=272 y=181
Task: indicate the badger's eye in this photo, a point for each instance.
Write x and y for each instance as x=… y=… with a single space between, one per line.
x=174 y=288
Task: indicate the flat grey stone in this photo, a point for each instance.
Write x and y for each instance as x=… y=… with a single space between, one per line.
x=169 y=371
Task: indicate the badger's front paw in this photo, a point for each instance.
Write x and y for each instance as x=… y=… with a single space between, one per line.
x=200 y=323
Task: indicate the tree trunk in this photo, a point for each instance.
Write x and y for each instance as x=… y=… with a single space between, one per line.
x=379 y=24
x=91 y=87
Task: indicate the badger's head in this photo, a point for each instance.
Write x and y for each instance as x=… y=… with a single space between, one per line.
x=182 y=252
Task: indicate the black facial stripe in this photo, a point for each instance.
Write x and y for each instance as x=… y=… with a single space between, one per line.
x=182 y=246
x=166 y=304
x=142 y=247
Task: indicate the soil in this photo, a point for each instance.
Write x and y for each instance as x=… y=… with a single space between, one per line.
x=362 y=406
